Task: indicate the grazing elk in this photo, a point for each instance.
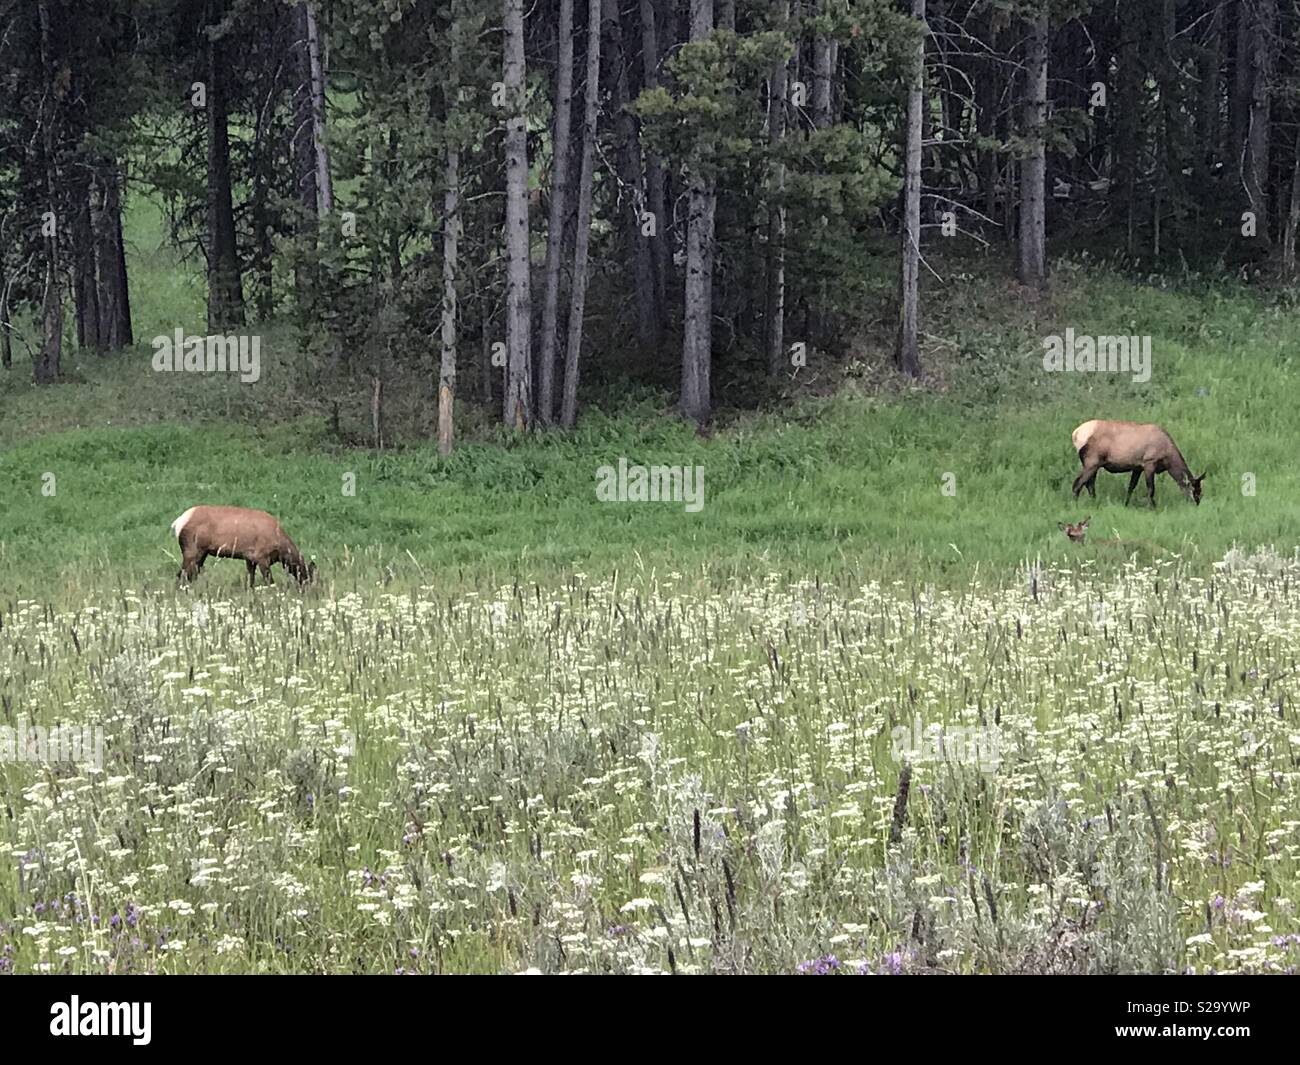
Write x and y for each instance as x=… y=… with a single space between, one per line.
x=234 y=532
x=1130 y=447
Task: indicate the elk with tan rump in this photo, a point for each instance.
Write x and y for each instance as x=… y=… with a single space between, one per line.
x=234 y=532
x=1135 y=448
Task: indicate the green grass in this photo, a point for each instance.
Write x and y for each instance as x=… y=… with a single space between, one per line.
x=855 y=479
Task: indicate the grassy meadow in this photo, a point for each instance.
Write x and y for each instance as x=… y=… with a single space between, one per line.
x=516 y=728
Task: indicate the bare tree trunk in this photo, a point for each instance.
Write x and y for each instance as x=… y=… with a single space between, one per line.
x=629 y=165
x=1207 y=108
x=45 y=361
x=774 y=318
x=122 y=297
x=324 y=184
x=225 y=286
x=6 y=340
x=906 y=351
x=558 y=213
x=727 y=15
x=988 y=78
x=1242 y=81
x=518 y=410
x=654 y=176
x=85 y=290
x=1032 y=264
x=697 y=340
x=450 y=239
x=582 y=237
x=821 y=96
x=1263 y=18
x=1289 y=234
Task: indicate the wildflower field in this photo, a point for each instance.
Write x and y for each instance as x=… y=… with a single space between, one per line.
x=670 y=773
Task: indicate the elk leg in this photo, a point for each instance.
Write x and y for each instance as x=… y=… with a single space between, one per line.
x=1151 y=486
x=1086 y=476
x=266 y=573
x=252 y=572
x=190 y=565
x=1132 y=483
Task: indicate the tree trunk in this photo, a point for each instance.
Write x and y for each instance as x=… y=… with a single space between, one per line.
x=629 y=165
x=113 y=301
x=1289 y=234
x=450 y=241
x=987 y=79
x=821 y=95
x=316 y=67
x=697 y=340
x=45 y=360
x=774 y=318
x=85 y=289
x=6 y=339
x=518 y=409
x=562 y=134
x=225 y=286
x=1263 y=18
x=582 y=236
x=1032 y=264
x=906 y=352
x=654 y=176
x=1207 y=108
x=302 y=143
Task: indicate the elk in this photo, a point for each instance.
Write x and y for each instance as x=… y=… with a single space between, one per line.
x=1130 y=447
x=1078 y=533
x=235 y=532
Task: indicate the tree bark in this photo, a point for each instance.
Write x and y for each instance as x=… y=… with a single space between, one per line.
x=1263 y=18
x=697 y=341
x=518 y=409
x=225 y=286
x=774 y=318
x=561 y=136
x=629 y=165
x=582 y=236
x=85 y=288
x=906 y=351
x=1032 y=263
x=46 y=359
x=1289 y=234
x=654 y=175
x=316 y=67
x=113 y=300
x=450 y=247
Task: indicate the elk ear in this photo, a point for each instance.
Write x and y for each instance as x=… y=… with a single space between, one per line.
x=1061 y=525
x=1084 y=524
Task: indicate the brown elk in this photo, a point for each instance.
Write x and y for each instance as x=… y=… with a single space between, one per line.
x=234 y=532
x=1076 y=532
x=1130 y=447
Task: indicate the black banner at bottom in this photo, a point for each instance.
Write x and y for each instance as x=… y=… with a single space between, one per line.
x=144 y=1014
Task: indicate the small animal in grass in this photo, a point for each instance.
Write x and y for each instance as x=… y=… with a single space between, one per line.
x=1078 y=533
x=235 y=532
x=1133 y=448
